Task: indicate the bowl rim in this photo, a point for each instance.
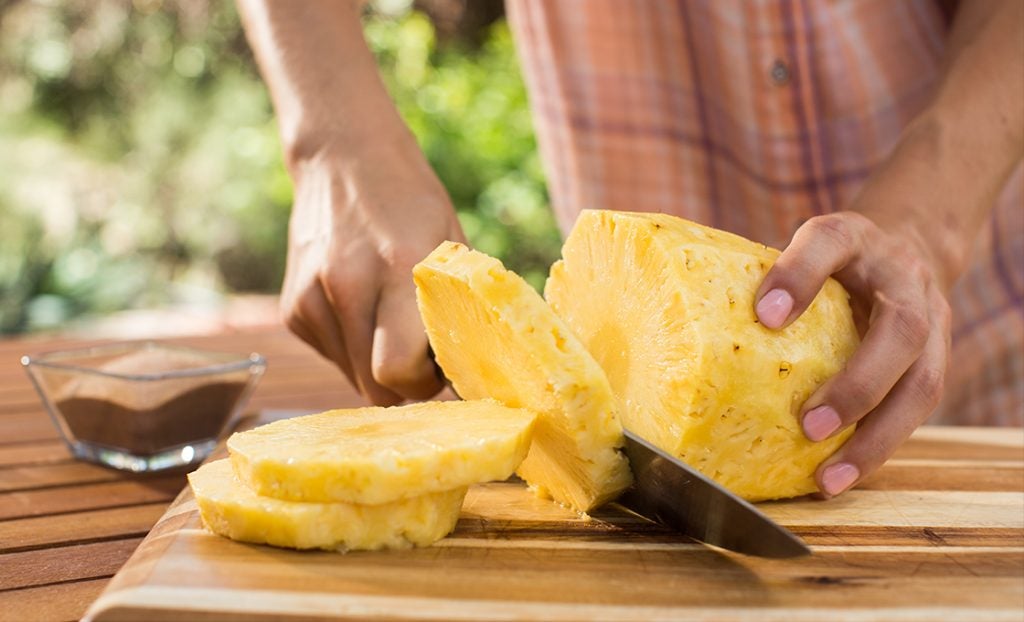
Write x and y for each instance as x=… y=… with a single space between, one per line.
x=254 y=362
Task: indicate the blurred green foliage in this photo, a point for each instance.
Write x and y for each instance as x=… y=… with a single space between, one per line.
x=140 y=165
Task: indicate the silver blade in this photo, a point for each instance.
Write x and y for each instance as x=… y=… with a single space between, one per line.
x=669 y=492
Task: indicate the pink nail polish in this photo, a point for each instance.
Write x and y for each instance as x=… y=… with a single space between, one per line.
x=838 y=477
x=819 y=423
x=774 y=307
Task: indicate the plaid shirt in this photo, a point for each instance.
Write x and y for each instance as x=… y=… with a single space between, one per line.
x=753 y=116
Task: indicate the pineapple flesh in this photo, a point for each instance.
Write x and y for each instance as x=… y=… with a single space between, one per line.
x=378 y=455
x=666 y=307
x=229 y=508
x=494 y=336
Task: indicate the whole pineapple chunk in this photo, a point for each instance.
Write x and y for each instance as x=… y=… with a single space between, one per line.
x=666 y=306
x=229 y=508
x=494 y=336
x=378 y=455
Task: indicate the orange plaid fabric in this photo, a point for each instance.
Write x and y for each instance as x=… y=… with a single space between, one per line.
x=753 y=116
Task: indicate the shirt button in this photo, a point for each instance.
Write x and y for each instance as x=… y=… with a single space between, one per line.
x=779 y=73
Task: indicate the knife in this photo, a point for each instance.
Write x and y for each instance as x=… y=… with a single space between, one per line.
x=668 y=491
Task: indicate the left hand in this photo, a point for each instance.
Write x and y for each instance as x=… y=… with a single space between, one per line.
x=894 y=380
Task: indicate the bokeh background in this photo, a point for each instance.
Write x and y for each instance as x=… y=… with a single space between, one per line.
x=140 y=166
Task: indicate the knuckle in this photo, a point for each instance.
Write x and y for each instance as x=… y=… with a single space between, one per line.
x=304 y=306
x=339 y=281
x=342 y=287
x=929 y=384
x=855 y=396
x=916 y=268
x=875 y=450
x=833 y=227
x=944 y=314
x=397 y=369
x=401 y=256
x=294 y=324
x=911 y=324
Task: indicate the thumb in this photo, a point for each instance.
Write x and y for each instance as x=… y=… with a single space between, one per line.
x=821 y=247
x=399 y=358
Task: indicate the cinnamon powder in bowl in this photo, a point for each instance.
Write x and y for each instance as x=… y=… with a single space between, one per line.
x=143 y=406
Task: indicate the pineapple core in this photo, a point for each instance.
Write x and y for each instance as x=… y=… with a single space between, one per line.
x=379 y=455
x=666 y=306
x=231 y=509
x=494 y=336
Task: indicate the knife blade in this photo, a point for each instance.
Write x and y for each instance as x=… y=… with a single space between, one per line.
x=668 y=491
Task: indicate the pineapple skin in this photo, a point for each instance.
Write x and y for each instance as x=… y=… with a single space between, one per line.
x=230 y=509
x=378 y=455
x=666 y=306
x=495 y=337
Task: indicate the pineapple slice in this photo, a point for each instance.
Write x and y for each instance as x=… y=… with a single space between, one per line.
x=666 y=307
x=378 y=455
x=231 y=509
x=494 y=336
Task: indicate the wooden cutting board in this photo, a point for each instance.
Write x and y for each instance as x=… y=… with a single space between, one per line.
x=937 y=534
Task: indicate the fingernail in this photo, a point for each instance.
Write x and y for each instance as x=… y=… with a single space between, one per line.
x=838 y=477
x=774 y=307
x=821 y=422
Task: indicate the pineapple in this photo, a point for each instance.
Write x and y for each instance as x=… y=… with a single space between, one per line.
x=494 y=336
x=379 y=455
x=666 y=307
x=231 y=509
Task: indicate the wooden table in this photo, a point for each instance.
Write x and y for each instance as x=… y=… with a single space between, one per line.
x=66 y=527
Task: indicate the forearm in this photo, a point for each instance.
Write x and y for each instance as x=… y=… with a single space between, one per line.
x=323 y=79
x=952 y=161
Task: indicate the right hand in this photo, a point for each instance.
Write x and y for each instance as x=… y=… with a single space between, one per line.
x=358 y=226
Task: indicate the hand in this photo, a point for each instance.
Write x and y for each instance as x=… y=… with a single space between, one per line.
x=894 y=380
x=358 y=226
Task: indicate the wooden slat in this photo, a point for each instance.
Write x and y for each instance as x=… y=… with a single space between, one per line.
x=65 y=563
x=90 y=497
x=26 y=427
x=21 y=478
x=24 y=405
x=987 y=475
x=964 y=443
x=37 y=532
x=51 y=603
x=925 y=508
x=43 y=452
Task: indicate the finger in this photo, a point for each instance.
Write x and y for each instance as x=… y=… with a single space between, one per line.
x=821 y=247
x=313 y=321
x=911 y=401
x=898 y=333
x=354 y=303
x=399 y=359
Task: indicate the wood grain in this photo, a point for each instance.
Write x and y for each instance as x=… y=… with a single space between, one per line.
x=914 y=545
x=79 y=527
x=121 y=493
x=935 y=535
x=44 y=452
x=57 y=602
x=51 y=503
x=64 y=563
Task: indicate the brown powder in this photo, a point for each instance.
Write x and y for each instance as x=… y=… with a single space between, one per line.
x=147 y=416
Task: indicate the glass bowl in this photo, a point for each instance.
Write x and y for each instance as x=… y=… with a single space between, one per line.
x=143 y=406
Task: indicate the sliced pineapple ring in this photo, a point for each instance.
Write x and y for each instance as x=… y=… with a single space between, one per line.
x=379 y=455
x=666 y=308
x=229 y=508
x=494 y=336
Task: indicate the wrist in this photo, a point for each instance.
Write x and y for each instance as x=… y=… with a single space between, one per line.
x=344 y=145
x=927 y=193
